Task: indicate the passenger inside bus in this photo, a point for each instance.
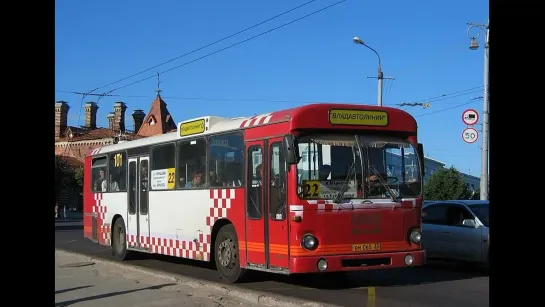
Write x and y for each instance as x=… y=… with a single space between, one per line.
x=100 y=184
x=198 y=180
x=114 y=186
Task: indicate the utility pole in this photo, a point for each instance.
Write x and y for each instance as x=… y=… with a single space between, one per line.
x=381 y=78
x=474 y=45
x=380 y=75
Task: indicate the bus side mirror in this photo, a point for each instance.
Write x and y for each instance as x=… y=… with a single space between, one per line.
x=291 y=149
x=421 y=158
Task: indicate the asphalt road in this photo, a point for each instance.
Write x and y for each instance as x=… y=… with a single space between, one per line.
x=437 y=285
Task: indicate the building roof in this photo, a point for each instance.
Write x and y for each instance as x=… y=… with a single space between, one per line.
x=94 y=134
x=158 y=120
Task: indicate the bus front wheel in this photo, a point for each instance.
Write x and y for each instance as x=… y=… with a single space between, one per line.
x=226 y=254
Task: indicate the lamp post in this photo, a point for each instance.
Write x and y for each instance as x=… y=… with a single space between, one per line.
x=380 y=75
x=474 y=45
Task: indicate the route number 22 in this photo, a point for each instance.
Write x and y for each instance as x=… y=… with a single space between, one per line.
x=170 y=177
x=311 y=190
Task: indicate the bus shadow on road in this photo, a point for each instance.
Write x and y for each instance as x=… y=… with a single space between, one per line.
x=432 y=273
x=384 y=278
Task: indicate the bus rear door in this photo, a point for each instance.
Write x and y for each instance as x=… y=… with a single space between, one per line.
x=138 y=230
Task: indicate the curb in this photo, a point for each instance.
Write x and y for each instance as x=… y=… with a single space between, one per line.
x=250 y=296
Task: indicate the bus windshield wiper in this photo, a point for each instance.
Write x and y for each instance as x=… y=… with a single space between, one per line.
x=383 y=183
x=340 y=195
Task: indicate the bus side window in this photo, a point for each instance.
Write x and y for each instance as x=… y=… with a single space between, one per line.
x=278 y=183
x=226 y=164
x=98 y=175
x=163 y=163
x=253 y=203
x=191 y=160
x=117 y=177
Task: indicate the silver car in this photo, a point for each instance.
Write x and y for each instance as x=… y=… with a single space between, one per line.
x=456 y=230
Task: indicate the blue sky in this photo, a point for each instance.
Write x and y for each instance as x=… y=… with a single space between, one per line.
x=423 y=44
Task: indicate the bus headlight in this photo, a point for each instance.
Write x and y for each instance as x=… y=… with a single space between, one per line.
x=415 y=236
x=309 y=242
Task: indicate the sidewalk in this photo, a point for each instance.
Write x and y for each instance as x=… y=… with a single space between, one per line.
x=80 y=282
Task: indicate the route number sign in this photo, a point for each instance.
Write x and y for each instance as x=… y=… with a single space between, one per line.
x=470 y=135
x=470 y=117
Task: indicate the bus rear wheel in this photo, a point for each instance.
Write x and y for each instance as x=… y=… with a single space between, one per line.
x=226 y=254
x=119 y=240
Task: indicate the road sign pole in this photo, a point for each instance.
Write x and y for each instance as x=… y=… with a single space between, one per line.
x=484 y=146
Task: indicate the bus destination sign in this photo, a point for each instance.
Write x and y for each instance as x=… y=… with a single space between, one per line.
x=358 y=117
x=192 y=127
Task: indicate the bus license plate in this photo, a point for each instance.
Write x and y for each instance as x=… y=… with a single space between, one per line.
x=366 y=247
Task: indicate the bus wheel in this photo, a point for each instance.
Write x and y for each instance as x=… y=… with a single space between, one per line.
x=119 y=240
x=226 y=254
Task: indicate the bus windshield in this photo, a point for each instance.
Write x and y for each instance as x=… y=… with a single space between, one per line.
x=334 y=166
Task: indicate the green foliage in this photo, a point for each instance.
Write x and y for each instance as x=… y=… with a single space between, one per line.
x=78 y=176
x=446 y=184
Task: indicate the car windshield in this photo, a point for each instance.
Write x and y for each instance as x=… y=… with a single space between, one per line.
x=482 y=211
x=333 y=164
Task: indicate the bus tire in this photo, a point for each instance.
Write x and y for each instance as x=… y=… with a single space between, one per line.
x=119 y=240
x=226 y=254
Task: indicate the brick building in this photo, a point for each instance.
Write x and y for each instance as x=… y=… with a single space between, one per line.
x=72 y=143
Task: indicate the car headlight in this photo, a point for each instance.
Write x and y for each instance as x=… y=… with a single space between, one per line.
x=415 y=236
x=309 y=242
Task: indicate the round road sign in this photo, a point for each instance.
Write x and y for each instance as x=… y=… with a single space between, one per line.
x=470 y=117
x=470 y=135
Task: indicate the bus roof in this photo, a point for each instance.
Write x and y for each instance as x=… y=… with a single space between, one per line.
x=298 y=116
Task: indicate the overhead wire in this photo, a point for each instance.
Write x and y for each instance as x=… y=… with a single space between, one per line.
x=446 y=109
x=206 y=46
x=203 y=98
x=460 y=93
x=230 y=46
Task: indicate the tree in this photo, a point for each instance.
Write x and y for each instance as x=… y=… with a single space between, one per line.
x=61 y=168
x=78 y=176
x=446 y=184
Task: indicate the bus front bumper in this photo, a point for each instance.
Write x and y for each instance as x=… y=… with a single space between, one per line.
x=360 y=262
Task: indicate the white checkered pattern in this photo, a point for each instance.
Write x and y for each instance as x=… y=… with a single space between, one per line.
x=221 y=202
x=197 y=249
x=99 y=208
x=106 y=231
x=200 y=248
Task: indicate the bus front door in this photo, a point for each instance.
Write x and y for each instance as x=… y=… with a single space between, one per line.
x=266 y=224
x=138 y=230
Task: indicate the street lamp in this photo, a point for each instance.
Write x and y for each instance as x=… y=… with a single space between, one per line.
x=380 y=75
x=474 y=45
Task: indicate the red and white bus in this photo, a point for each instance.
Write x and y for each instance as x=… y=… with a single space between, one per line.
x=317 y=188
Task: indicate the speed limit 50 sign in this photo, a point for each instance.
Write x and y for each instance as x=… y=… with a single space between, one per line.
x=470 y=135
